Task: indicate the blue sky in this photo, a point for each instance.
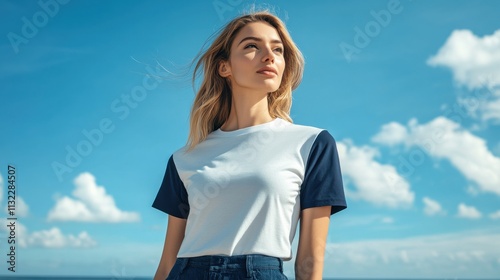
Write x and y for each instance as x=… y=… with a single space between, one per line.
x=409 y=89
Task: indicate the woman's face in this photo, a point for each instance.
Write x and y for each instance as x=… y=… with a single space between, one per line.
x=256 y=62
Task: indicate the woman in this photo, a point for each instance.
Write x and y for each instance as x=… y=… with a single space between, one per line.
x=235 y=193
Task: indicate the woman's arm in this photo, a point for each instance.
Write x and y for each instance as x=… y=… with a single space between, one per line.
x=314 y=224
x=173 y=239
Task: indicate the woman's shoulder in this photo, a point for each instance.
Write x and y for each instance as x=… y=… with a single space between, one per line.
x=305 y=128
x=319 y=135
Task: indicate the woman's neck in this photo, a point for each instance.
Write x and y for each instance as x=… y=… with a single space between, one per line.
x=247 y=109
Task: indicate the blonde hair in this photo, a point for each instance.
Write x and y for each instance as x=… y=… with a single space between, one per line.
x=212 y=103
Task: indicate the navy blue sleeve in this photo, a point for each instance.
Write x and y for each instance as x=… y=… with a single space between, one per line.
x=322 y=183
x=172 y=197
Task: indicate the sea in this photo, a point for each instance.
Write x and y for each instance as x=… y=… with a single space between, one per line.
x=3 y=277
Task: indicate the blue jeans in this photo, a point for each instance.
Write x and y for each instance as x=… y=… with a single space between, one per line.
x=216 y=267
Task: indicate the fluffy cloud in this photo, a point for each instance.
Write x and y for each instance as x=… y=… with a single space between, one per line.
x=495 y=215
x=376 y=183
x=491 y=110
x=475 y=63
x=21 y=231
x=473 y=60
x=391 y=134
x=481 y=104
x=387 y=220
x=22 y=208
x=51 y=238
x=1 y=189
x=462 y=255
x=468 y=212
x=54 y=238
x=443 y=138
x=91 y=204
x=432 y=207
x=366 y=220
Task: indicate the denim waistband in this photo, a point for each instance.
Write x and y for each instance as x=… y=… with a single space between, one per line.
x=248 y=262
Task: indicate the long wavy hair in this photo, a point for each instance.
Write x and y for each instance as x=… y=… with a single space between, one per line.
x=212 y=103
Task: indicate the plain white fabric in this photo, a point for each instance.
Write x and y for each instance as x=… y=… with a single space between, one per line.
x=244 y=189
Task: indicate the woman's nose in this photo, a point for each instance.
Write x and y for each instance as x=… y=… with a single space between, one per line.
x=268 y=55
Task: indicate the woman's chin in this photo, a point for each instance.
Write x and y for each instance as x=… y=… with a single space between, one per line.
x=270 y=87
x=266 y=86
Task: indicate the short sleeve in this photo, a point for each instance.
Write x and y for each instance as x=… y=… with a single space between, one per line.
x=172 y=197
x=322 y=183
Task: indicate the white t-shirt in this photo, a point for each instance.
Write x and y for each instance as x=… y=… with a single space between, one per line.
x=242 y=191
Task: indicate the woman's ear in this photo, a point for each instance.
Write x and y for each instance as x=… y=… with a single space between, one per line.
x=224 y=69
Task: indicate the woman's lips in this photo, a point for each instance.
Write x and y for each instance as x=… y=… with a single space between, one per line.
x=267 y=73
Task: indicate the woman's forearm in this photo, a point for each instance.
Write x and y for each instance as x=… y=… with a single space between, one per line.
x=310 y=257
x=308 y=268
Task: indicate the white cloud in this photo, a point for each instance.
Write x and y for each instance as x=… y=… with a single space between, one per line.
x=91 y=204
x=365 y=221
x=1 y=189
x=54 y=238
x=376 y=183
x=495 y=215
x=472 y=59
x=468 y=212
x=479 y=104
x=387 y=220
x=404 y=256
x=20 y=230
x=491 y=110
x=22 y=209
x=443 y=138
x=475 y=63
x=496 y=149
x=391 y=134
x=432 y=207
x=461 y=255
x=111 y=259
x=473 y=190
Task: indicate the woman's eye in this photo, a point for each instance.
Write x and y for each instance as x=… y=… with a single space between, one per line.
x=279 y=50
x=250 y=45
